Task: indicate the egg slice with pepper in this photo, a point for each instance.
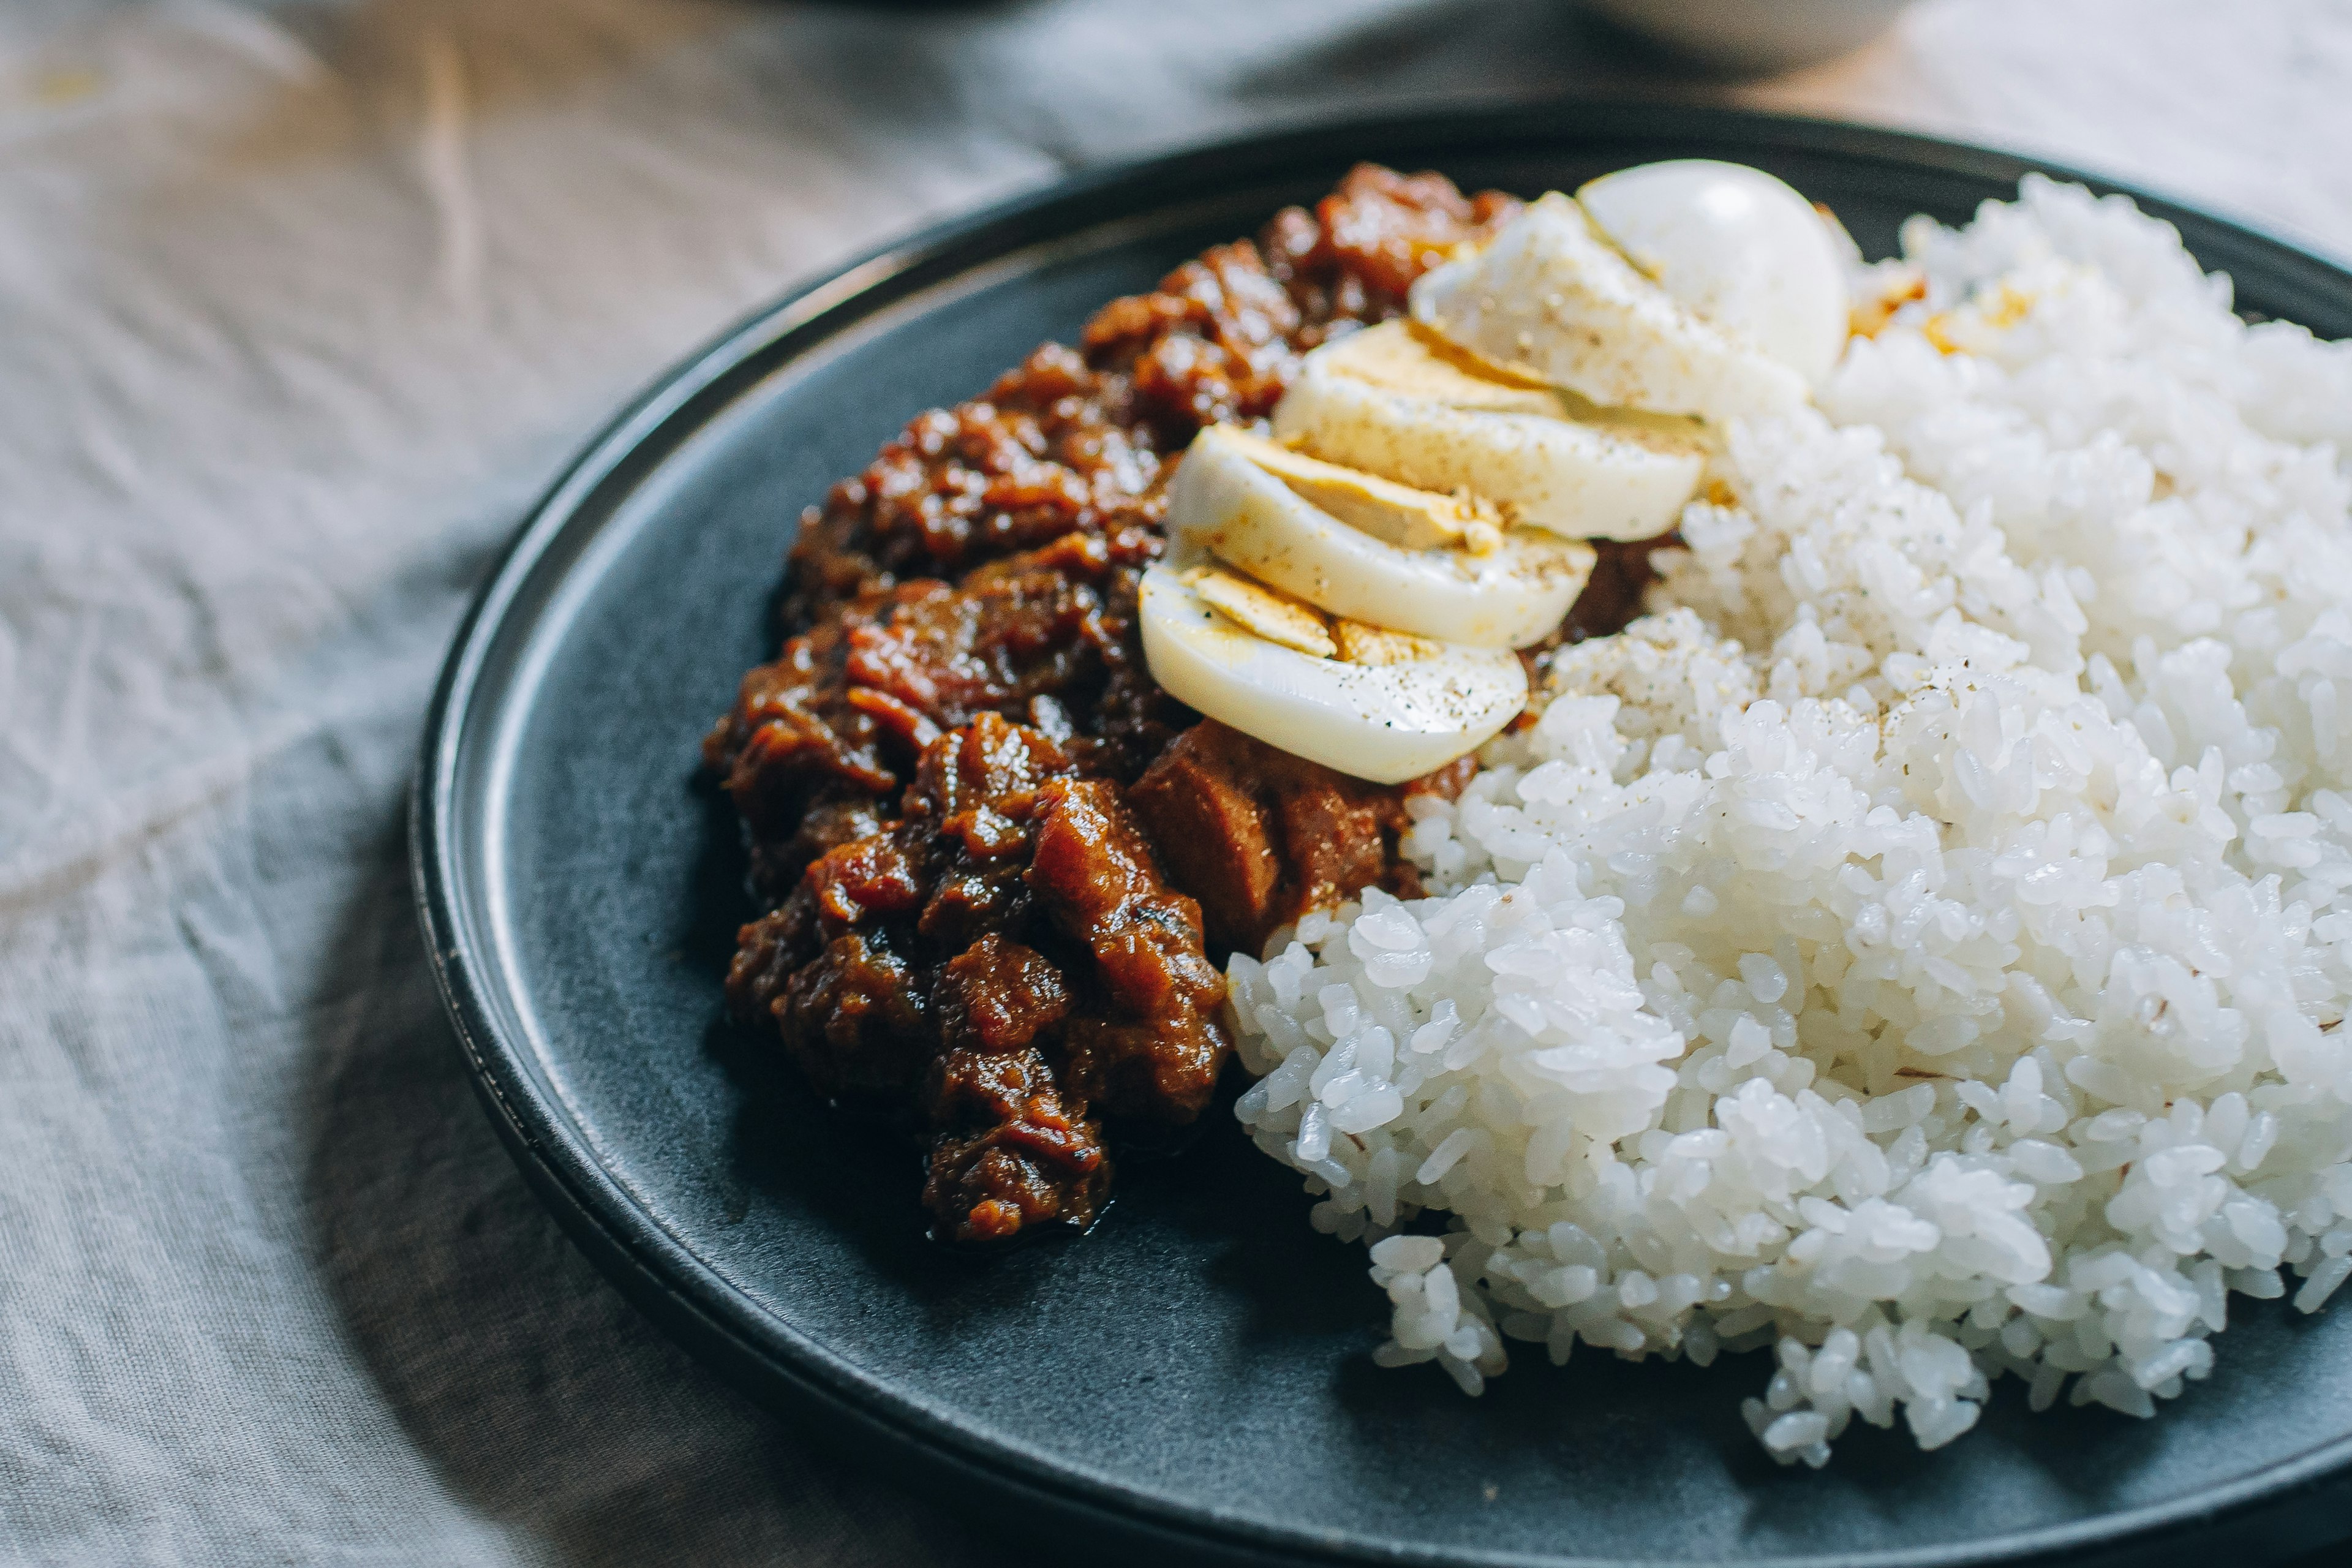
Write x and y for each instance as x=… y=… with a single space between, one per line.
x=1369 y=549
x=1552 y=298
x=1388 y=400
x=1367 y=701
x=1741 y=249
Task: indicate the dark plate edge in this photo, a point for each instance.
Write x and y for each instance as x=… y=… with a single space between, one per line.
x=690 y=1301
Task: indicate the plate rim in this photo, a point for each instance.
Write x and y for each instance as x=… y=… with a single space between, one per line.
x=717 y=1321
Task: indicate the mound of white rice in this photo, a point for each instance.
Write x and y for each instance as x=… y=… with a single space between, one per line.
x=1921 y=942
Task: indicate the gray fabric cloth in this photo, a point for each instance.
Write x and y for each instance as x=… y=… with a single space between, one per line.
x=299 y=304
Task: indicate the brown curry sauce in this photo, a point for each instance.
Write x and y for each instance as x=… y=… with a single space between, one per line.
x=997 y=861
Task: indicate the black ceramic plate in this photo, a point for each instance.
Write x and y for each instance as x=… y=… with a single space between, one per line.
x=1193 y=1377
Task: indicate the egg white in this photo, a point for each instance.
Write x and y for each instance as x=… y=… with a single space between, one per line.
x=1385 y=722
x=1551 y=297
x=1738 y=247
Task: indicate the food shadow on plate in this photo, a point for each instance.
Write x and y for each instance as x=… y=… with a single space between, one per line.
x=1219 y=1196
x=1579 y=1430
x=1601 y=1417
x=1598 y=1415
x=2094 y=1458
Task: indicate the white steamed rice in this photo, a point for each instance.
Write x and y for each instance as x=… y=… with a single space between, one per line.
x=1921 y=943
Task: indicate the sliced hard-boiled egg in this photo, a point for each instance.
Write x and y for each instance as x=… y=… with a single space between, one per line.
x=1403 y=514
x=1738 y=247
x=1411 y=705
x=1385 y=400
x=1229 y=499
x=1550 y=297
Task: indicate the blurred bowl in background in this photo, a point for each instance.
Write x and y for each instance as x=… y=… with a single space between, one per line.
x=1755 y=34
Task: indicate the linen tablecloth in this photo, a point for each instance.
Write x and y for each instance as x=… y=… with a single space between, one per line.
x=301 y=303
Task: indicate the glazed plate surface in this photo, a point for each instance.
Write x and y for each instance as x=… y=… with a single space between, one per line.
x=1192 y=1380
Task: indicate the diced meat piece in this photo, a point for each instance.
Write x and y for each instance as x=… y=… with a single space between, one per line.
x=1261 y=837
x=1213 y=344
x=1216 y=835
x=837 y=724
x=976 y=795
x=1054 y=447
x=989 y=644
x=877 y=878
x=1355 y=255
x=768 y=953
x=969 y=901
x=982 y=787
x=852 y=1020
x=787 y=737
x=1011 y=1151
x=1156 y=1051
x=997 y=1184
x=826 y=824
x=1336 y=837
x=997 y=995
